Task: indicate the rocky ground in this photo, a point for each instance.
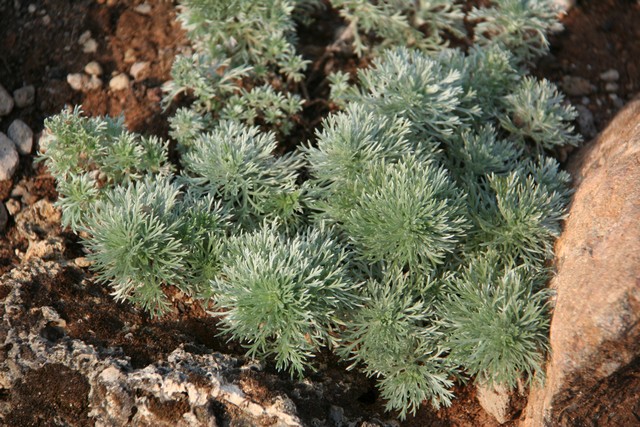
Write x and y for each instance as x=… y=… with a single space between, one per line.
x=71 y=356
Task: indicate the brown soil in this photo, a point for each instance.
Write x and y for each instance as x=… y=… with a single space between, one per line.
x=41 y=48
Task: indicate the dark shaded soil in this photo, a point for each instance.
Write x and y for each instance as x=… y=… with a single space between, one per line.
x=51 y=395
x=600 y=35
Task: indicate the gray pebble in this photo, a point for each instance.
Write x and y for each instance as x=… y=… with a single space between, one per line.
x=24 y=96
x=611 y=87
x=21 y=135
x=9 y=158
x=617 y=102
x=576 y=86
x=610 y=75
x=586 y=123
x=6 y=102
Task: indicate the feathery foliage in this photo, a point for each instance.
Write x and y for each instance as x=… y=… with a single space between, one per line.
x=283 y=295
x=412 y=236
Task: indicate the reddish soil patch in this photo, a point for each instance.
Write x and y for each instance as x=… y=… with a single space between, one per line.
x=41 y=48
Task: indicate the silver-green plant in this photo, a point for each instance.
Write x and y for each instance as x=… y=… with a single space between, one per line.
x=284 y=296
x=412 y=236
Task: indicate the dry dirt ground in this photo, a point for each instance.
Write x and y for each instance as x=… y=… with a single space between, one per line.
x=41 y=48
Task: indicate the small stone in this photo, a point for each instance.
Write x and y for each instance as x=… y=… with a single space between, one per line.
x=563 y=5
x=130 y=56
x=24 y=96
x=46 y=20
x=611 y=87
x=90 y=46
x=9 y=158
x=610 y=75
x=143 y=9
x=84 y=37
x=18 y=191
x=77 y=81
x=13 y=206
x=336 y=415
x=21 y=135
x=32 y=8
x=140 y=70
x=497 y=400
x=4 y=217
x=586 y=100
x=93 y=68
x=94 y=83
x=119 y=82
x=6 y=102
x=576 y=86
x=617 y=102
x=82 y=262
x=586 y=124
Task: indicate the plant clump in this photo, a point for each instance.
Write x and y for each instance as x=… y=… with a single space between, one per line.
x=412 y=236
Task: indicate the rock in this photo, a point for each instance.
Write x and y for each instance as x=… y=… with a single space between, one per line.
x=77 y=81
x=82 y=262
x=610 y=75
x=4 y=217
x=129 y=56
x=119 y=82
x=84 y=83
x=21 y=135
x=6 y=102
x=586 y=124
x=617 y=102
x=595 y=330
x=140 y=70
x=577 y=86
x=182 y=385
x=93 y=68
x=84 y=37
x=89 y=45
x=611 y=87
x=9 y=158
x=38 y=224
x=143 y=9
x=25 y=96
x=31 y=8
x=499 y=401
x=94 y=83
x=13 y=206
x=564 y=5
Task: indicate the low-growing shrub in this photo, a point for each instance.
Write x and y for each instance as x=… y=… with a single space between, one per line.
x=413 y=235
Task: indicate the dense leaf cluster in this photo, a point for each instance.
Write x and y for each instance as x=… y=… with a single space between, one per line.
x=412 y=235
